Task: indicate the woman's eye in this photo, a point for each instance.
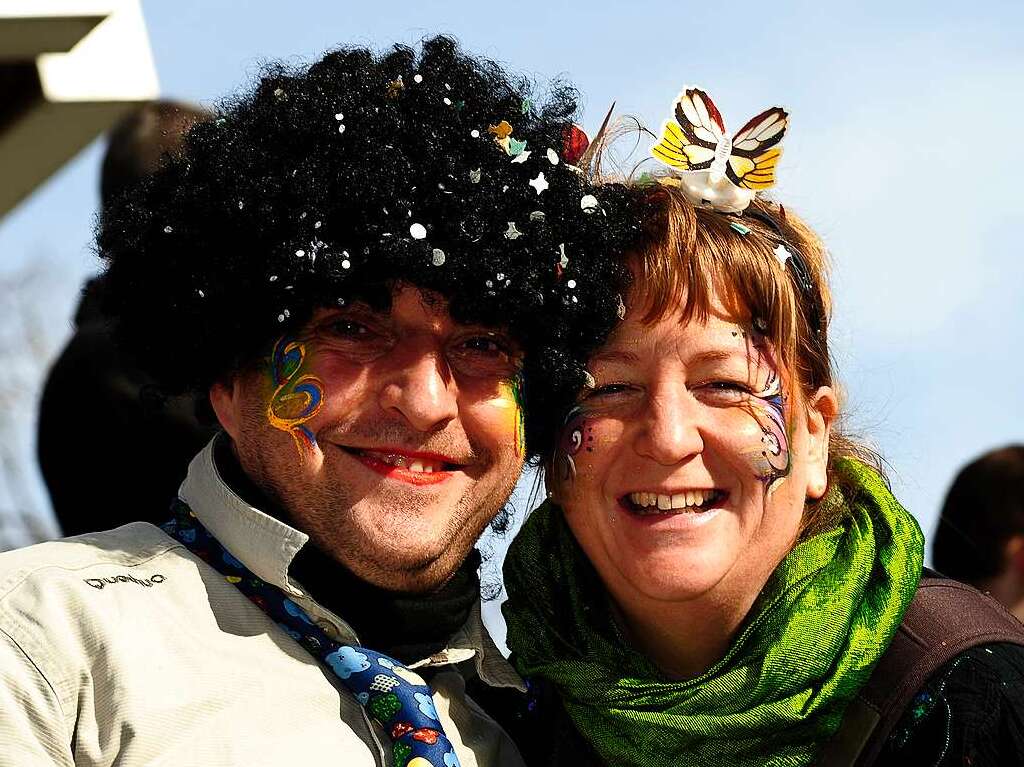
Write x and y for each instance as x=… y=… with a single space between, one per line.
x=729 y=386
x=607 y=389
x=725 y=391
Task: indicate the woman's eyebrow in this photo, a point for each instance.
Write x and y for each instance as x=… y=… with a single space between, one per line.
x=717 y=355
x=615 y=355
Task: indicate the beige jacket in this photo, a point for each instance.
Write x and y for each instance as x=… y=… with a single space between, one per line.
x=124 y=648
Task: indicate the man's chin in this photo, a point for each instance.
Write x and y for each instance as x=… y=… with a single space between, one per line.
x=414 y=557
x=414 y=575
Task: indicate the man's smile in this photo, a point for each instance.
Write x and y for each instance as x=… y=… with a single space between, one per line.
x=413 y=467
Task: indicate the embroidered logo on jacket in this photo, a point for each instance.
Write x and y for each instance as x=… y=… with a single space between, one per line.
x=99 y=583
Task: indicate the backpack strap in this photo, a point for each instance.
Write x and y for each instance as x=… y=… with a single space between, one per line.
x=944 y=619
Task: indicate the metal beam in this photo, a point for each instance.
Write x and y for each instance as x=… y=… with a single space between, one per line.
x=24 y=38
x=53 y=104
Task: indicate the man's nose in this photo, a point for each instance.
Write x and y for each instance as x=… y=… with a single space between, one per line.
x=670 y=431
x=421 y=389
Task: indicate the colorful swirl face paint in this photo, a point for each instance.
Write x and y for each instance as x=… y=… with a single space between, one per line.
x=511 y=399
x=576 y=435
x=297 y=395
x=768 y=407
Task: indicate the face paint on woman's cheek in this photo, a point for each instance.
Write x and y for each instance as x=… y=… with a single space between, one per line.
x=297 y=395
x=771 y=458
x=510 y=400
x=576 y=436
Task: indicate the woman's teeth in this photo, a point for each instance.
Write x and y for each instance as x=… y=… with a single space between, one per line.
x=691 y=500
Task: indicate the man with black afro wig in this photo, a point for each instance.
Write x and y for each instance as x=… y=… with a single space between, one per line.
x=386 y=273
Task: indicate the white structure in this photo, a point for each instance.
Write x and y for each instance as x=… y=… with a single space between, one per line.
x=69 y=69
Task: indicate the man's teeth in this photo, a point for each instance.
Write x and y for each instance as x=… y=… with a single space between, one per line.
x=407 y=463
x=687 y=500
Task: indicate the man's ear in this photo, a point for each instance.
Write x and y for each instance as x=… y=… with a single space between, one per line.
x=225 y=398
x=822 y=409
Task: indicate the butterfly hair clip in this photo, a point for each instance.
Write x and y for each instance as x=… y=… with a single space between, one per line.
x=716 y=171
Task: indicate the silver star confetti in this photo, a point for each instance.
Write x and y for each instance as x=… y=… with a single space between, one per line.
x=512 y=233
x=540 y=183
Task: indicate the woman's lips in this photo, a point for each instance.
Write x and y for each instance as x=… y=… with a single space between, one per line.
x=652 y=503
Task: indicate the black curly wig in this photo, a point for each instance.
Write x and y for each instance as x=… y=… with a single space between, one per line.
x=332 y=183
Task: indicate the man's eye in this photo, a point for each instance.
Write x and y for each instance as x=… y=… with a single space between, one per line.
x=484 y=345
x=346 y=328
x=488 y=347
x=484 y=356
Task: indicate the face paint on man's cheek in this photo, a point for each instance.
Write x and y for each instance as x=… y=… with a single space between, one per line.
x=510 y=400
x=297 y=395
x=771 y=459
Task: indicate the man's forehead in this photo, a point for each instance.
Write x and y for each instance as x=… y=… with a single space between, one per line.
x=408 y=302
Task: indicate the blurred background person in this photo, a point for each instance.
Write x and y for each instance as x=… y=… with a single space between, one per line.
x=98 y=409
x=980 y=536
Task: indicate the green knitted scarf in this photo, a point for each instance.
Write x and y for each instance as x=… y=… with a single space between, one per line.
x=808 y=644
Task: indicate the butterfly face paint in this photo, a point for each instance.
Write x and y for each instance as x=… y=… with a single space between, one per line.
x=768 y=408
x=297 y=395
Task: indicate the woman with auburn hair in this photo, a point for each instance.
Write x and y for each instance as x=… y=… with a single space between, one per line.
x=720 y=577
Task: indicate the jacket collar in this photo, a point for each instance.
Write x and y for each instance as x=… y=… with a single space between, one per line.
x=267 y=546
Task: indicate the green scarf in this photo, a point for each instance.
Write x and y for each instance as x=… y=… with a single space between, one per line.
x=809 y=643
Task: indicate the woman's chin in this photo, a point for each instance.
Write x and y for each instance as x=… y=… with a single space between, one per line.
x=672 y=575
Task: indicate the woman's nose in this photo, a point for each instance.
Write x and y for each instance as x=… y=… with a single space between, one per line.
x=670 y=430
x=422 y=391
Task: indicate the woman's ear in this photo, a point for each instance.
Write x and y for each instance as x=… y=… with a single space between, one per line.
x=226 y=402
x=822 y=409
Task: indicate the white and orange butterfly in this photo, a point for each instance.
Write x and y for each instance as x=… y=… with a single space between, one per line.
x=717 y=171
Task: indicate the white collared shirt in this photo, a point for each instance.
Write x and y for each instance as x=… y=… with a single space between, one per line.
x=124 y=648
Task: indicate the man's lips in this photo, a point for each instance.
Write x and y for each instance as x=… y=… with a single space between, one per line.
x=414 y=467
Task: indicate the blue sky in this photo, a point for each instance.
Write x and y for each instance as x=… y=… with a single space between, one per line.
x=901 y=153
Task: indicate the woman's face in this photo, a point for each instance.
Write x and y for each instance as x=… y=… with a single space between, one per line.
x=684 y=471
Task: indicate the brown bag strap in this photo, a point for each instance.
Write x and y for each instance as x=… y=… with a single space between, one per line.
x=944 y=619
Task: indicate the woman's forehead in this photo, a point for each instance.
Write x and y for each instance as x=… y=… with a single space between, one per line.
x=715 y=337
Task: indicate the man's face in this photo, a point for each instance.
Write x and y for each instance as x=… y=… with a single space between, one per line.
x=391 y=437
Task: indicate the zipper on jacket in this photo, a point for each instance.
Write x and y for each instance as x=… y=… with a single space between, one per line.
x=382 y=758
